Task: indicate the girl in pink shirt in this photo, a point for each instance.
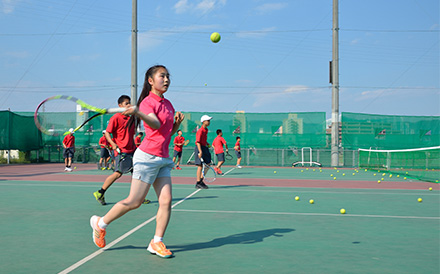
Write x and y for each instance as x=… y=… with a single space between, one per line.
x=151 y=162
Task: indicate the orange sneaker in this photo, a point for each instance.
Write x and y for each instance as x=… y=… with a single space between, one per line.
x=98 y=234
x=178 y=168
x=159 y=249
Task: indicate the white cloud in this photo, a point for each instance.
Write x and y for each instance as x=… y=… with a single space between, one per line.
x=269 y=7
x=255 y=34
x=17 y=54
x=8 y=6
x=296 y=89
x=203 y=6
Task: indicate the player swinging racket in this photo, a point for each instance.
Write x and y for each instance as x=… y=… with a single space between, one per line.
x=217 y=144
x=201 y=150
x=152 y=165
x=179 y=140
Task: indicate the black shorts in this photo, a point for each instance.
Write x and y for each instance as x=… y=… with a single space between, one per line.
x=177 y=153
x=104 y=153
x=124 y=163
x=206 y=155
x=238 y=154
x=221 y=157
x=69 y=152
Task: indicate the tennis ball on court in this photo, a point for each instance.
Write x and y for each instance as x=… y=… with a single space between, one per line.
x=334 y=178
x=302 y=170
x=391 y=175
x=275 y=171
x=337 y=171
x=331 y=175
x=430 y=189
x=215 y=37
x=398 y=176
x=342 y=211
x=343 y=174
x=378 y=181
x=374 y=174
x=404 y=178
x=382 y=179
x=74 y=168
x=311 y=201
x=307 y=169
x=320 y=170
x=313 y=169
x=353 y=174
x=419 y=200
x=296 y=198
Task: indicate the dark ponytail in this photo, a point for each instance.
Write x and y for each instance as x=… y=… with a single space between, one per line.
x=134 y=120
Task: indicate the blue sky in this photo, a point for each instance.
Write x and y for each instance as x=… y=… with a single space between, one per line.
x=273 y=56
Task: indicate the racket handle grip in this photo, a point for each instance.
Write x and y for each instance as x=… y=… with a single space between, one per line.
x=116 y=110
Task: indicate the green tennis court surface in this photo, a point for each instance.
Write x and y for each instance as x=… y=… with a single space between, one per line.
x=233 y=227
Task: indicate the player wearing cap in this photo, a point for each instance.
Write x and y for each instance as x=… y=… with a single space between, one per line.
x=69 y=149
x=201 y=150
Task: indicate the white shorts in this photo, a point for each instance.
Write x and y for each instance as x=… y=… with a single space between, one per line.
x=147 y=167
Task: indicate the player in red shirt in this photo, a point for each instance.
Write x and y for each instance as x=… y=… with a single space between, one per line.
x=238 y=151
x=104 y=152
x=178 y=147
x=122 y=144
x=152 y=164
x=201 y=150
x=138 y=139
x=217 y=144
x=69 y=149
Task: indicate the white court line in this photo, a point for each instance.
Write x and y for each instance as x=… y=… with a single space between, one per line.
x=100 y=251
x=307 y=214
x=228 y=171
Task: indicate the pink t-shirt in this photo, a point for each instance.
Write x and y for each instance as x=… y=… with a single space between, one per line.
x=218 y=144
x=156 y=141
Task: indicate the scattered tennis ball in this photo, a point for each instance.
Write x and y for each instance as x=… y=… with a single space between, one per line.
x=81 y=113
x=374 y=174
x=215 y=37
x=311 y=201
x=302 y=170
x=378 y=181
x=343 y=174
x=398 y=176
x=383 y=174
x=296 y=198
x=365 y=170
x=430 y=189
x=353 y=174
x=337 y=171
x=275 y=171
x=313 y=169
x=382 y=179
x=391 y=175
x=307 y=169
x=404 y=178
x=342 y=211
x=331 y=175
x=334 y=178
x=74 y=168
x=320 y=170
x=419 y=200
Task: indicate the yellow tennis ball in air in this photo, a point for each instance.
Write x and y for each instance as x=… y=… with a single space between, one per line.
x=296 y=198
x=342 y=211
x=311 y=201
x=419 y=200
x=215 y=37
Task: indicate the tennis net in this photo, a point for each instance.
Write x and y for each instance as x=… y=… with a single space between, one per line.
x=419 y=163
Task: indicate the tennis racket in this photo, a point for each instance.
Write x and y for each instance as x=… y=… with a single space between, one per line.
x=186 y=142
x=208 y=173
x=228 y=156
x=125 y=164
x=53 y=116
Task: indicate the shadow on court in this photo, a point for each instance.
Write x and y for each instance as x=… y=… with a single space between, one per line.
x=241 y=238
x=174 y=200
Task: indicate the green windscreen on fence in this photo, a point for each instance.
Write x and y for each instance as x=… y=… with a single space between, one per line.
x=389 y=131
x=421 y=163
x=262 y=130
x=18 y=132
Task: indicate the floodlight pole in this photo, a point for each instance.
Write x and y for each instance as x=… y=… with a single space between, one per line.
x=335 y=88
x=134 y=32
